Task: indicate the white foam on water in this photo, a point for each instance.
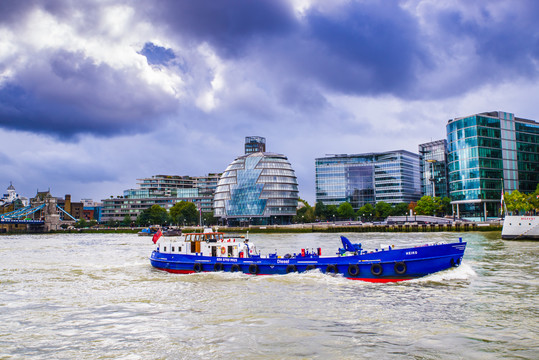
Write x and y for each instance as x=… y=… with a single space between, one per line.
x=463 y=272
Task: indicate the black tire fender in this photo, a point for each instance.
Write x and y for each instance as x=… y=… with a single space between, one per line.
x=400 y=268
x=291 y=268
x=253 y=269
x=353 y=270
x=235 y=268
x=331 y=269
x=197 y=267
x=376 y=269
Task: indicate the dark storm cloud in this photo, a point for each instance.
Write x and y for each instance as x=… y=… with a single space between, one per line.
x=507 y=44
x=228 y=26
x=357 y=48
x=70 y=94
x=365 y=48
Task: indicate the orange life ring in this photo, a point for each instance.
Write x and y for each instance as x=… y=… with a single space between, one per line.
x=223 y=250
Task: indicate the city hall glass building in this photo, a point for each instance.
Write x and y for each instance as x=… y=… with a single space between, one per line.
x=488 y=152
x=258 y=188
x=392 y=177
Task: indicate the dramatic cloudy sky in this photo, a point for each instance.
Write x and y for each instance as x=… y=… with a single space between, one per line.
x=97 y=94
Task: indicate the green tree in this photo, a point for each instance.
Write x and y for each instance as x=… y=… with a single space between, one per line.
x=382 y=209
x=304 y=214
x=332 y=212
x=428 y=205
x=400 y=209
x=533 y=199
x=366 y=212
x=126 y=221
x=112 y=223
x=517 y=201
x=320 y=210
x=446 y=206
x=184 y=211
x=208 y=218
x=346 y=211
x=155 y=215
x=81 y=223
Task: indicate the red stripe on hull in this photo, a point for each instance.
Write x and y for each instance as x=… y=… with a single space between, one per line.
x=373 y=280
x=176 y=271
x=378 y=280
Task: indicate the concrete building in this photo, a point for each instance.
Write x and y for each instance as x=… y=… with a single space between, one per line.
x=162 y=190
x=392 y=177
x=489 y=153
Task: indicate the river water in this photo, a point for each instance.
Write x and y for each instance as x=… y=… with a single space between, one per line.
x=96 y=296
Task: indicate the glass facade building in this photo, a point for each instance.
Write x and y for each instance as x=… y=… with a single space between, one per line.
x=433 y=168
x=259 y=188
x=489 y=153
x=392 y=177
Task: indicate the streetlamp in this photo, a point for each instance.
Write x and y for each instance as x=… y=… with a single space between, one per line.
x=432 y=161
x=303 y=219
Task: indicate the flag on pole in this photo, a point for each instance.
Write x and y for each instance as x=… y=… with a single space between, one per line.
x=501 y=203
x=156 y=236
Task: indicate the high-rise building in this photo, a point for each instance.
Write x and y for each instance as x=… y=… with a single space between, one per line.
x=259 y=188
x=162 y=190
x=392 y=177
x=433 y=168
x=255 y=144
x=488 y=152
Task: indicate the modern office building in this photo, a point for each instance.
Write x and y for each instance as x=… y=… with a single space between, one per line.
x=259 y=188
x=91 y=209
x=433 y=168
x=255 y=144
x=488 y=152
x=162 y=190
x=392 y=177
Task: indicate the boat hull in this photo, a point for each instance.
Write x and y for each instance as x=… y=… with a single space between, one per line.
x=520 y=228
x=380 y=266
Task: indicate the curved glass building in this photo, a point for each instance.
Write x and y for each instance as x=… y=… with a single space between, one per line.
x=259 y=189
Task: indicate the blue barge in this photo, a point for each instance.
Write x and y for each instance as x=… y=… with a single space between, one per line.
x=211 y=251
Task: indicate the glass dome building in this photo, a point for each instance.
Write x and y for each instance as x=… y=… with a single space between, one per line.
x=259 y=189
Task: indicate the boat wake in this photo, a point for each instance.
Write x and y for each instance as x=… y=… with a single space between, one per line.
x=463 y=272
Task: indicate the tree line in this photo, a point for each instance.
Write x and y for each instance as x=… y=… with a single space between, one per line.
x=427 y=205
x=521 y=203
x=185 y=213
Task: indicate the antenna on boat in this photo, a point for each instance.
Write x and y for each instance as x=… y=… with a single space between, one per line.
x=247 y=236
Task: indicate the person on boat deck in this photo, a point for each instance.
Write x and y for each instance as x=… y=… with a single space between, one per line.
x=246 y=248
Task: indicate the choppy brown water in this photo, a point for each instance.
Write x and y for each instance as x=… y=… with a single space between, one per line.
x=79 y=296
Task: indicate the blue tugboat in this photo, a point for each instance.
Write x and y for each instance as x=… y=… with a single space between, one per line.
x=211 y=251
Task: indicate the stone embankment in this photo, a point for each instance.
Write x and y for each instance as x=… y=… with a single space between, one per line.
x=330 y=227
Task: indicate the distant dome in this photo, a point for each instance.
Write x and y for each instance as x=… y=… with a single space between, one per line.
x=257 y=187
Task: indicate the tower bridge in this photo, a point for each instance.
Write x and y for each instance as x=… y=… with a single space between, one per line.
x=44 y=214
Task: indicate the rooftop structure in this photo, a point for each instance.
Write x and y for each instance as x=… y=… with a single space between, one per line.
x=255 y=144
